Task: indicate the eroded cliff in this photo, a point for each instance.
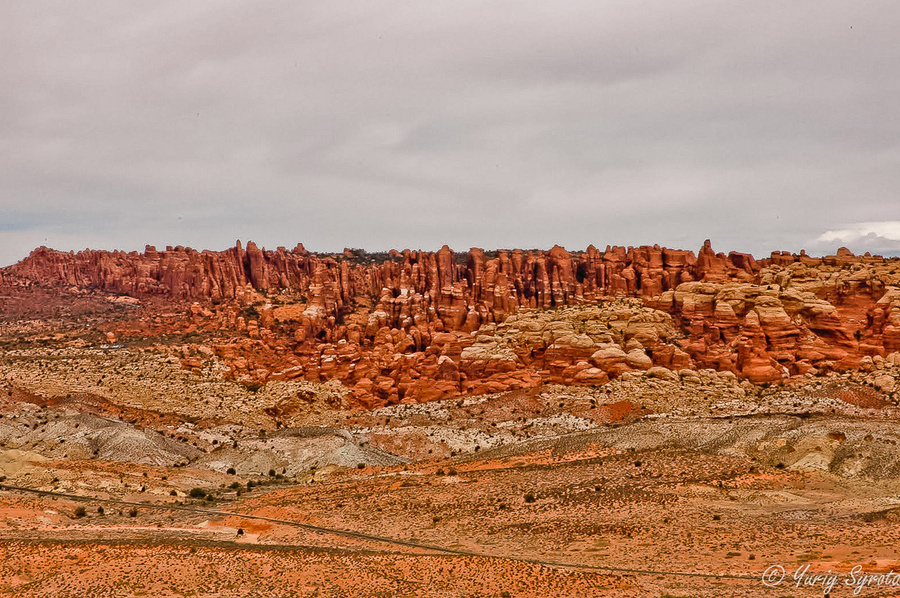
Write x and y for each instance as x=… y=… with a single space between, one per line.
x=414 y=325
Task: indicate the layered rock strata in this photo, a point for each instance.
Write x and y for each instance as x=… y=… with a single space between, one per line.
x=416 y=325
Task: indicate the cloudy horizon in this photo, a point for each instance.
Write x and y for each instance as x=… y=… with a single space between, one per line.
x=761 y=126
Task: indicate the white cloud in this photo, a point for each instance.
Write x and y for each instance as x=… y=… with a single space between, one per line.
x=875 y=237
x=889 y=230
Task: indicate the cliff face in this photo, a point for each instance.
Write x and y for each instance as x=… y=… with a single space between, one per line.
x=416 y=325
x=512 y=278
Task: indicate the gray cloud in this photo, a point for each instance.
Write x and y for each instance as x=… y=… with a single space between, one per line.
x=385 y=124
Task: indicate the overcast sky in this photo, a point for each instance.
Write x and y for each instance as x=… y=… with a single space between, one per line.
x=761 y=125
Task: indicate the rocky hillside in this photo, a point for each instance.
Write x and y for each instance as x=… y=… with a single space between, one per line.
x=413 y=326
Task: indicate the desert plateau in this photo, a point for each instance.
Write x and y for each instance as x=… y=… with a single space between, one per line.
x=635 y=421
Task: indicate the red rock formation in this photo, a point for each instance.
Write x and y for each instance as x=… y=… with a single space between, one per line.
x=395 y=328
